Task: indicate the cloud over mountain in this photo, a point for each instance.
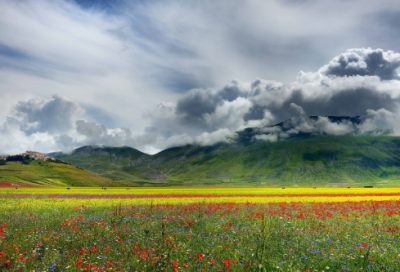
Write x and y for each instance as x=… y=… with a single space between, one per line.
x=358 y=82
x=361 y=81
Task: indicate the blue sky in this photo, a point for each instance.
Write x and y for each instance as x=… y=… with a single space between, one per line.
x=133 y=67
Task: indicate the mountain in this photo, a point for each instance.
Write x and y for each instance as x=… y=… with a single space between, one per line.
x=302 y=158
x=50 y=173
x=117 y=163
x=322 y=159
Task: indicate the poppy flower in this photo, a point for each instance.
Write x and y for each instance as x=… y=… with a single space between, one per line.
x=78 y=264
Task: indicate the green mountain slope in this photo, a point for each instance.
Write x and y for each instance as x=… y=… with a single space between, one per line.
x=310 y=160
x=118 y=163
x=45 y=173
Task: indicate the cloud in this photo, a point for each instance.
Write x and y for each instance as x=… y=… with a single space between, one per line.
x=382 y=120
x=90 y=130
x=366 y=85
x=57 y=115
x=267 y=137
x=128 y=56
x=220 y=135
x=324 y=125
x=364 y=62
x=229 y=114
x=96 y=134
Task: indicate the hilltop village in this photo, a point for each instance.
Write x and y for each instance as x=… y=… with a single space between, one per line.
x=31 y=155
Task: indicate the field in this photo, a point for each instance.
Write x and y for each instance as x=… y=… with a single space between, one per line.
x=200 y=229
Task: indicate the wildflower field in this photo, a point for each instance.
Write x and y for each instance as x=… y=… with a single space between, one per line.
x=200 y=229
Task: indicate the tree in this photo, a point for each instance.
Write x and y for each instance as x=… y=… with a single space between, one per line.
x=25 y=161
x=15 y=158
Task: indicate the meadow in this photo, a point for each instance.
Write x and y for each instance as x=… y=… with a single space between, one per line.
x=200 y=229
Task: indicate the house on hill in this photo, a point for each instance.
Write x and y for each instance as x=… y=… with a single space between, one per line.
x=33 y=155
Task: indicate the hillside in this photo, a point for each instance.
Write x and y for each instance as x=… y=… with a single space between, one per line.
x=118 y=163
x=45 y=173
x=318 y=159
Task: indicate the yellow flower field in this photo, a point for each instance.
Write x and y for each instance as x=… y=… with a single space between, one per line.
x=96 y=197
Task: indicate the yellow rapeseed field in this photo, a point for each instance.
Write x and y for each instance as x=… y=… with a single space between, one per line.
x=199 y=190
x=89 y=197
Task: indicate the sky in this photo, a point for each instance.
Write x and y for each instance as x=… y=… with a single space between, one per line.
x=155 y=74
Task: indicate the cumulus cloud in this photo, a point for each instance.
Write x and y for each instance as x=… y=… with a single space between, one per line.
x=55 y=125
x=57 y=115
x=360 y=82
x=364 y=62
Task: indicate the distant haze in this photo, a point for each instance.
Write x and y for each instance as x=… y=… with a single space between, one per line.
x=156 y=74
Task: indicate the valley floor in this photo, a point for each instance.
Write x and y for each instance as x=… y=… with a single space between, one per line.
x=199 y=229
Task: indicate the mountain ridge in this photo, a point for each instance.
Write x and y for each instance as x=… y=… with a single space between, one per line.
x=305 y=159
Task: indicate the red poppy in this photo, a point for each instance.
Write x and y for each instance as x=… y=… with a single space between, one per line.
x=78 y=264
x=227 y=263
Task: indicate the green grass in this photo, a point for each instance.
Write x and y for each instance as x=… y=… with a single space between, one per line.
x=53 y=174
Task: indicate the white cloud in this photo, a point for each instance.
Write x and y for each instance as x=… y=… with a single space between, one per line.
x=324 y=125
x=267 y=137
x=220 y=135
x=229 y=115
